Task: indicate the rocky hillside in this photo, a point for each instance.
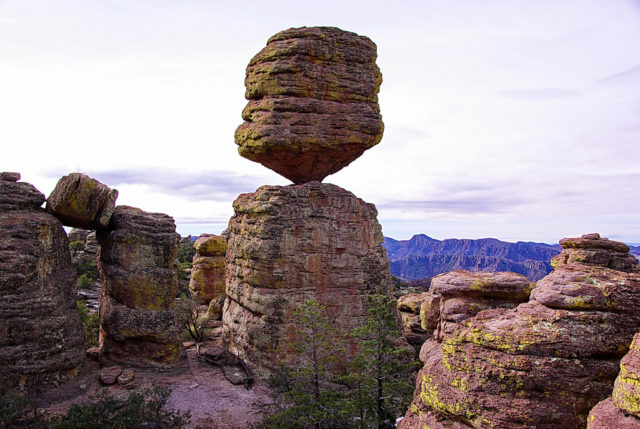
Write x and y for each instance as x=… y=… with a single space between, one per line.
x=423 y=256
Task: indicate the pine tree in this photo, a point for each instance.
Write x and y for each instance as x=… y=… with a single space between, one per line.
x=382 y=368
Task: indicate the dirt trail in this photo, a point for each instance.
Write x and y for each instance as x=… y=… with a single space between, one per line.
x=196 y=386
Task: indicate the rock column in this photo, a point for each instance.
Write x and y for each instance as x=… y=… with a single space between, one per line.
x=41 y=337
x=139 y=277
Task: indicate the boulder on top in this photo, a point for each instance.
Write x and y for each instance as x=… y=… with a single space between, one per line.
x=211 y=245
x=590 y=249
x=16 y=195
x=82 y=202
x=313 y=103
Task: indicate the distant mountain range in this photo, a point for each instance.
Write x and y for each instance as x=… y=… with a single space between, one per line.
x=422 y=256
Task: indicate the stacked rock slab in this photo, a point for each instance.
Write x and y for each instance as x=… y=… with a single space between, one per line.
x=409 y=310
x=543 y=364
x=291 y=244
x=139 y=277
x=82 y=202
x=622 y=410
x=41 y=337
x=207 y=272
x=313 y=103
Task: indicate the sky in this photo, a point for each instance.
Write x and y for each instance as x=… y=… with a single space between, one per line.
x=518 y=119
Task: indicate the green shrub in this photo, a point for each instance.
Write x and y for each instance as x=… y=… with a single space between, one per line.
x=186 y=252
x=84 y=281
x=86 y=266
x=90 y=323
x=76 y=245
x=142 y=409
x=17 y=411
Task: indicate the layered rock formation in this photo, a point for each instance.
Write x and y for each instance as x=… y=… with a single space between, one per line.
x=409 y=310
x=82 y=202
x=41 y=337
x=291 y=244
x=543 y=364
x=313 y=103
x=622 y=410
x=139 y=276
x=208 y=270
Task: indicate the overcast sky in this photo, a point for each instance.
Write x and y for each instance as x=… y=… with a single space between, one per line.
x=518 y=120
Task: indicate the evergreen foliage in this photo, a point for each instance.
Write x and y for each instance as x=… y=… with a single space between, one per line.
x=90 y=323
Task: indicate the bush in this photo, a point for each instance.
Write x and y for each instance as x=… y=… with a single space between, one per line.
x=139 y=410
x=76 y=245
x=86 y=266
x=84 y=281
x=90 y=323
x=186 y=252
x=17 y=411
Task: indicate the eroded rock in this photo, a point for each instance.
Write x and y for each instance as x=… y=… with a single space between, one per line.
x=291 y=244
x=313 y=103
x=208 y=270
x=139 y=276
x=82 y=202
x=41 y=337
x=542 y=364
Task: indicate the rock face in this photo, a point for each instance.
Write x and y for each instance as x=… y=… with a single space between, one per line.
x=622 y=410
x=82 y=202
x=313 y=103
x=139 y=276
x=294 y=243
x=409 y=310
x=590 y=249
x=208 y=271
x=41 y=337
x=543 y=364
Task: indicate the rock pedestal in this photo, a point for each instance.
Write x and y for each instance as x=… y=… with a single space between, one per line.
x=313 y=103
x=41 y=337
x=139 y=277
x=543 y=364
x=208 y=270
x=291 y=244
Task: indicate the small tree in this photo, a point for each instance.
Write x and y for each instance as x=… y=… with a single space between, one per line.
x=313 y=397
x=192 y=318
x=382 y=369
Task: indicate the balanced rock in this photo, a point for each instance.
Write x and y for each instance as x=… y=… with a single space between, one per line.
x=208 y=269
x=41 y=337
x=542 y=364
x=622 y=410
x=139 y=276
x=292 y=244
x=313 y=103
x=82 y=202
x=590 y=249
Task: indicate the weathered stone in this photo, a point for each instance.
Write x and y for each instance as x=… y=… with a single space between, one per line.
x=411 y=302
x=82 y=202
x=430 y=311
x=543 y=364
x=41 y=337
x=139 y=276
x=109 y=375
x=590 y=249
x=501 y=285
x=313 y=103
x=214 y=312
x=18 y=195
x=78 y=234
x=93 y=353
x=126 y=377
x=7 y=176
x=606 y=415
x=291 y=244
x=208 y=270
x=211 y=245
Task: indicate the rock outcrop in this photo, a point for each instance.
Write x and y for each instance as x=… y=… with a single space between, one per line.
x=208 y=270
x=82 y=202
x=139 y=276
x=543 y=364
x=41 y=337
x=409 y=309
x=313 y=103
x=622 y=410
x=291 y=244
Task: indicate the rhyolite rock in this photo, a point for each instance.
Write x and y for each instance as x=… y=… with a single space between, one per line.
x=41 y=337
x=208 y=270
x=139 y=276
x=622 y=409
x=591 y=249
x=81 y=201
x=313 y=103
x=291 y=244
x=542 y=364
x=409 y=310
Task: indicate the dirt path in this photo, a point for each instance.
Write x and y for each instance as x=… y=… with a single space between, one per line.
x=196 y=386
